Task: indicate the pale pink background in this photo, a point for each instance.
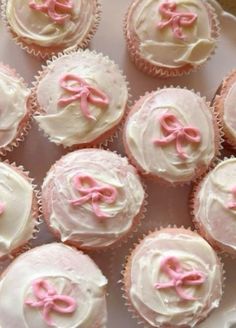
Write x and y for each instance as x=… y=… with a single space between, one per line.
x=166 y=205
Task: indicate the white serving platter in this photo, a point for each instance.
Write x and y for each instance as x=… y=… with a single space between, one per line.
x=165 y=205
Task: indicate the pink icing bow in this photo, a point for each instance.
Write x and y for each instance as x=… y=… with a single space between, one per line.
x=51 y=8
x=179 y=278
x=232 y=204
x=83 y=92
x=176 y=20
x=91 y=190
x=49 y=300
x=2 y=207
x=174 y=130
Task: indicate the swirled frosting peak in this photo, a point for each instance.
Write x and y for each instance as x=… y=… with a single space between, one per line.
x=92 y=197
x=174 y=278
x=56 y=286
x=170 y=133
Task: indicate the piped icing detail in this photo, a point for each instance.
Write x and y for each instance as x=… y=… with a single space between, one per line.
x=55 y=9
x=49 y=300
x=2 y=207
x=82 y=91
x=179 y=277
x=175 y=20
x=91 y=190
x=232 y=204
x=175 y=131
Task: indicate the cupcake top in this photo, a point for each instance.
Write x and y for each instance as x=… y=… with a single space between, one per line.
x=55 y=274
x=91 y=197
x=170 y=133
x=175 y=278
x=51 y=23
x=225 y=103
x=172 y=33
x=82 y=96
x=13 y=105
x=16 y=208
x=215 y=209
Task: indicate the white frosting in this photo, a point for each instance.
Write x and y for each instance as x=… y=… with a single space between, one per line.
x=164 y=306
x=230 y=110
x=16 y=221
x=70 y=272
x=79 y=223
x=38 y=28
x=213 y=199
x=143 y=127
x=67 y=125
x=161 y=47
x=13 y=105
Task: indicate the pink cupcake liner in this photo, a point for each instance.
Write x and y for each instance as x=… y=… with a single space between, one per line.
x=108 y=137
x=25 y=125
x=123 y=282
x=47 y=52
x=201 y=170
x=159 y=71
x=36 y=211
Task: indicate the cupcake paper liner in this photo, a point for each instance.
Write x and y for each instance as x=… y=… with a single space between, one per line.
x=217 y=103
x=218 y=246
x=25 y=125
x=47 y=52
x=200 y=171
x=131 y=309
x=164 y=72
x=137 y=222
x=108 y=137
x=36 y=213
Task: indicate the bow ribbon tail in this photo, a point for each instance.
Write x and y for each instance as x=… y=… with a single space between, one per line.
x=98 y=211
x=46 y=315
x=182 y=154
x=67 y=100
x=80 y=201
x=161 y=285
x=58 y=18
x=84 y=106
x=165 y=140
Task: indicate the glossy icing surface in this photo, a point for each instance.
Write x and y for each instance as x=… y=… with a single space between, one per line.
x=71 y=208
x=100 y=73
x=165 y=306
x=16 y=220
x=69 y=272
x=156 y=34
x=215 y=210
x=13 y=105
x=37 y=27
x=143 y=129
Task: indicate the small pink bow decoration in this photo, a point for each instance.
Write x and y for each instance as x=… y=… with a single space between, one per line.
x=2 y=207
x=179 y=278
x=174 y=130
x=49 y=300
x=82 y=91
x=232 y=204
x=91 y=190
x=176 y=20
x=55 y=9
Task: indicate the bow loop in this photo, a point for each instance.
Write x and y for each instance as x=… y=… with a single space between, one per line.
x=82 y=91
x=49 y=300
x=176 y=20
x=174 y=130
x=90 y=189
x=171 y=266
x=55 y=9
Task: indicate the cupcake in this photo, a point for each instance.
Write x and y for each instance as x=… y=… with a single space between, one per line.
x=81 y=98
x=170 y=38
x=44 y=28
x=92 y=198
x=224 y=103
x=15 y=109
x=173 y=278
x=18 y=209
x=214 y=206
x=56 y=286
x=171 y=135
